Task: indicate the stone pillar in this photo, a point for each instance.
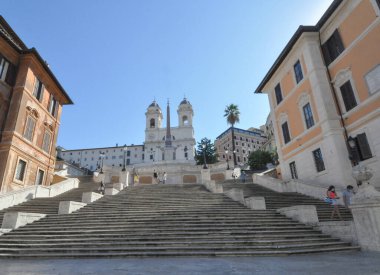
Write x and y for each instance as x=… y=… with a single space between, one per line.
x=13 y=220
x=205 y=175
x=236 y=194
x=366 y=212
x=124 y=178
x=306 y=214
x=256 y=203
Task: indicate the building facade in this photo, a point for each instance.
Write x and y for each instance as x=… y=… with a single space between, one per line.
x=246 y=141
x=270 y=144
x=31 y=100
x=324 y=93
x=162 y=144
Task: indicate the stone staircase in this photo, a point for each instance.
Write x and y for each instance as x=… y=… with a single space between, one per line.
x=50 y=205
x=166 y=220
x=275 y=200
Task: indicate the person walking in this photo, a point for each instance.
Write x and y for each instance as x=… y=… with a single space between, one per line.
x=135 y=179
x=164 y=178
x=347 y=195
x=102 y=188
x=333 y=200
x=243 y=177
x=155 y=177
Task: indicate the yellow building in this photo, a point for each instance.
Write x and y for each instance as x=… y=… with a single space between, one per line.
x=31 y=100
x=324 y=90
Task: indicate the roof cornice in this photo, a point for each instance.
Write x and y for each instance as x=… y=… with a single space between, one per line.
x=289 y=46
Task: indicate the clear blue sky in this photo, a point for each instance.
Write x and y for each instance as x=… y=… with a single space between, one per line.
x=114 y=57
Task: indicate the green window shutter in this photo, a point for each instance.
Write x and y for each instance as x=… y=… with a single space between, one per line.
x=364 y=149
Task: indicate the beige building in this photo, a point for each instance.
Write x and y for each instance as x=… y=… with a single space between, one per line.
x=162 y=144
x=246 y=141
x=324 y=94
x=31 y=100
x=270 y=144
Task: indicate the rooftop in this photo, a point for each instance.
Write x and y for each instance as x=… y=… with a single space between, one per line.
x=16 y=43
x=289 y=46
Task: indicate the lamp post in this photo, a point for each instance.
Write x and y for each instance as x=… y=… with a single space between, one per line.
x=353 y=150
x=228 y=164
x=102 y=155
x=124 y=151
x=204 y=156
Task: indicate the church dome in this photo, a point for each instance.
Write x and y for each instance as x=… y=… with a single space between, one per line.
x=154 y=104
x=185 y=102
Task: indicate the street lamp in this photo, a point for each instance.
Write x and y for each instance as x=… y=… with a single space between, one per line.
x=204 y=156
x=125 y=151
x=228 y=164
x=102 y=155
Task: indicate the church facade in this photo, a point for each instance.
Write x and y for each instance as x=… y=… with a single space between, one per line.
x=161 y=145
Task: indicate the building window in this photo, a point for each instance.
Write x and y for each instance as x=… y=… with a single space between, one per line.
x=318 y=159
x=333 y=47
x=373 y=79
x=20 y=170
x=38 y=89
x=285 y=132
x=278 y=92
x=29 y=129
x=128 y=153
x=293 y=170
x=152 y=123
x=46 y=142
x=298 y=71
x=4 y=65
x=363 y=149
x=53 y=106
x=348 y=96
x=309 y=120
x=40 y=177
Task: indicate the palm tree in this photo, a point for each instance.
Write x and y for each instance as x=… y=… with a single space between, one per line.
x=232 y=114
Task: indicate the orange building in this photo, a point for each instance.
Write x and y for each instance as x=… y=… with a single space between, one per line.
x=31 y=100
x=324 y=90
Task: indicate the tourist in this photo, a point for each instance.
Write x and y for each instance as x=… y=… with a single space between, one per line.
x=332 y=198
x=243 y=176
x=347 y=195
x=164 y=178
x=102 y=188
x=155 y=177
x=135 y=179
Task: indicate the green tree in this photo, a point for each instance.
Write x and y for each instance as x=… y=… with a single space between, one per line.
x=232 y=114
x=257 y=160
x=210 y=152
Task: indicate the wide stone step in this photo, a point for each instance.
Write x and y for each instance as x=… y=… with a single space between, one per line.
x=126 y=234
x=178 y=248
x=96 y=242
x=133 y=224
x=154 y=238
x=209 y=253
x=158 y=226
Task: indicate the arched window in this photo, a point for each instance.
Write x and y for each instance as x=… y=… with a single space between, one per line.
x=152 y=123
x=185 y=120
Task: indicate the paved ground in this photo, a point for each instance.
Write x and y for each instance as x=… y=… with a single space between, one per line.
x=330 y=263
